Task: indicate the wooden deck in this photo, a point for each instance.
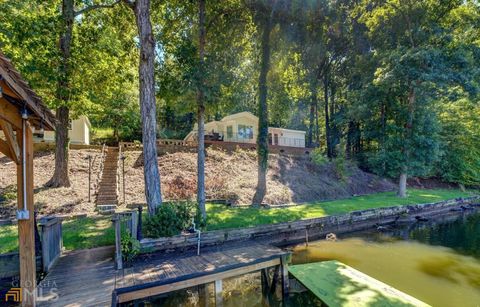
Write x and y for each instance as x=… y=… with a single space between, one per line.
x=80 y=278
x=88 y=277
x=156 y=275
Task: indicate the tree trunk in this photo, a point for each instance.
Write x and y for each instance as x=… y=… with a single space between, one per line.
x=60 y=175
x=327 y=118
x=262 y=139
x=147 y=104
x=313 y=105
x=317 y=128
x=201 y=113
x=384 y=135
x=402 y=184
x=334 y=137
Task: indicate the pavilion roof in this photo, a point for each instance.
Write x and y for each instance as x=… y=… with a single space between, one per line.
x=17 y=92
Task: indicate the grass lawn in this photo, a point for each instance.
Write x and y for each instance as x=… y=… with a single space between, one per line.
x=98 y=231
x=221 y=217
x=77 y=234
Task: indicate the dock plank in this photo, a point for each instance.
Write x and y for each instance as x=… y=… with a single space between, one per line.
x=80 y=278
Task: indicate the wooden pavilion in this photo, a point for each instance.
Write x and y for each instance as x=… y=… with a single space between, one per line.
x=21 y=110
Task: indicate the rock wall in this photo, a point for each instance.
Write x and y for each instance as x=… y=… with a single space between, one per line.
x=282 y=234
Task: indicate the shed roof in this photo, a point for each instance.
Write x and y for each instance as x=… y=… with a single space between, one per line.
x=17 y=92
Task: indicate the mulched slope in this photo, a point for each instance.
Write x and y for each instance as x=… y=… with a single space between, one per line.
x=228 y=176
x=234 y=176
x=48 y=201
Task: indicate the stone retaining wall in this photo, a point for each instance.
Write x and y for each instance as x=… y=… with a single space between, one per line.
x=297 y=231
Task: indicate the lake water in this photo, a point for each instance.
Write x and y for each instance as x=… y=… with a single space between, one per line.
x=437 y=262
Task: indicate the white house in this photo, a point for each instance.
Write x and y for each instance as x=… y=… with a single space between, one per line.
x=243 y=128
x=78 y=132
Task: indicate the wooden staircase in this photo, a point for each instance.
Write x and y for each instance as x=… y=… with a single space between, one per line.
x=107 y=197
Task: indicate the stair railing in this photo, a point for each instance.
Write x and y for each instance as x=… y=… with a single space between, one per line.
x=100 y=173
x=119 y=170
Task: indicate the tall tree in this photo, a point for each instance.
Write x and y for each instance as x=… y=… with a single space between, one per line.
x=265 y=14
x=64 y=89
x=141 y=9
x=201 y=110
x=416 y=64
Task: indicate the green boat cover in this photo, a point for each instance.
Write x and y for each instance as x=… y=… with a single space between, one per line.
x=337 y=284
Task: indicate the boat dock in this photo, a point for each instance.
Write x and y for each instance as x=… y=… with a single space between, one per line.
x=338 y=284
x=89 y=278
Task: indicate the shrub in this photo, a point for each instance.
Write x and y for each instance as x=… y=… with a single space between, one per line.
x=318 y=157
x=130 y=247
x=170 y=219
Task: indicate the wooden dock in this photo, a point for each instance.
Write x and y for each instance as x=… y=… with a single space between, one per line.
x=337 y=284
x=88 y=277
x=80 y=278
x=157 y=275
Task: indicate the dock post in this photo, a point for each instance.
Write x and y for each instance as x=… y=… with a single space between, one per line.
x=118 y=245
x=284 y=270
x=265 y=281
x=273 y=286
x=218 y=293
x=203 y=295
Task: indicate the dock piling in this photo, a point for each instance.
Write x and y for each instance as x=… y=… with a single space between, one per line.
x=284 y=271
x=218 y=293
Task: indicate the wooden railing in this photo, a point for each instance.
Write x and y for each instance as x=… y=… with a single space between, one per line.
x=100 y=172
x=174 y=142
x=119 y=170
x=52 y=242
x=48 y=250
x=129 y=222
x=130 y=146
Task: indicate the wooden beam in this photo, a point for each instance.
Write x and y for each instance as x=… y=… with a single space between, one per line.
x=169 y=287
x=11 y=140
x=10 y=113
x=7 y=90
x=26 y=239
x=5 y=149
x=24 y=96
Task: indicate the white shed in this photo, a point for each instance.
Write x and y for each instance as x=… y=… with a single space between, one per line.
x=78 y=132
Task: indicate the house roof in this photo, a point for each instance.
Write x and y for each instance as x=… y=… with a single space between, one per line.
x=287 y=130
x=241 y=114
x=17 y=92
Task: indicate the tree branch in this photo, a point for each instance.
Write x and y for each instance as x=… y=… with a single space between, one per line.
x=96 y=6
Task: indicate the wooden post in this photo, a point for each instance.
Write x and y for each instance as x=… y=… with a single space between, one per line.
x=134 y=224
x=264 y=279
x=26 y=240
x=118 y=245
x=203 y=295
x=273 y=286
x=284 y=270
x=306 y=236
x=218 y=293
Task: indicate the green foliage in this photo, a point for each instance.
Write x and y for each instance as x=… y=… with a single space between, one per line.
x=460 y=159
x=318 y=157
x=341 y=164
x=170 y=219
x=8 y=193
x=130 y=247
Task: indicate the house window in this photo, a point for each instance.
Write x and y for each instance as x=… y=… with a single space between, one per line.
x=245 y=132
x=229 y=132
